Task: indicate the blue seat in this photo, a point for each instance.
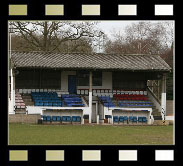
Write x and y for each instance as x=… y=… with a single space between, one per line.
x=40 y=103
x=125 y=118
x=44 y=118
x=74 y=118
x=64 y=118
x=134 y=119
x=55 y=104
x=121 y=119
x=78 y=118
x=68 y=119
x=46 y=104
x=140 y=119
x=54 y=118
x=115 y=118
x=58 y=118
x=59 y=104
x=48 y=118
x=144 y=119
x=49 y=104
x=36 y=104
x=130 y=118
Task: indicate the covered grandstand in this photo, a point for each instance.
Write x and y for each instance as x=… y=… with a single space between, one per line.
x=88 y=88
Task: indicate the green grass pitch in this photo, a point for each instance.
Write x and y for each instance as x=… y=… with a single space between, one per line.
x=27 y=134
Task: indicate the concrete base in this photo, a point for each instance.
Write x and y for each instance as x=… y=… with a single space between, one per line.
x=66 y=122
x=56 y=123
x=24 y=118
x=161 y=122
x=76 y=123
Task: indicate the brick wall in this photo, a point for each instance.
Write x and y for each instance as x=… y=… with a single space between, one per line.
x=22 y=118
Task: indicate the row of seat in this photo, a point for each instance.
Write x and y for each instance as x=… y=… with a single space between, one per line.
x=49 y=101
x=136 y=119
x=130 y=96
x=107 y=101
x=72 y=100
x=131 y=110
x=49 y=94
x=136 y=102
x=127 y=95
x=61 y=119
x=134 y=105
x=144 y=98
x=46 y=99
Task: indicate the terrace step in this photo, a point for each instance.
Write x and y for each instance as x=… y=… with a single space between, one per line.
x=20 y=111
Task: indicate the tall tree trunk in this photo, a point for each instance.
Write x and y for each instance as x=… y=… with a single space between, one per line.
x=45 y=36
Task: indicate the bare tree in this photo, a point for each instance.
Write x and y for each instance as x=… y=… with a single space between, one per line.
x=50 y=35
x=141 y=38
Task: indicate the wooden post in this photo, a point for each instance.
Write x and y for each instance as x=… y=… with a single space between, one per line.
x=90 y=95
x=163 y=96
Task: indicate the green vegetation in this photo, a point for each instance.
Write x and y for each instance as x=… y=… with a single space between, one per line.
x=27 y=134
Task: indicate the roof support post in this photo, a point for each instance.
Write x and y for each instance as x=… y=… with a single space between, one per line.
x=163 y=97
x=11 y=106
x=13 y=89
x=90 y=96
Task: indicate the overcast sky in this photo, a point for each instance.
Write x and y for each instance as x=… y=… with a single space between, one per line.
x=109 y=26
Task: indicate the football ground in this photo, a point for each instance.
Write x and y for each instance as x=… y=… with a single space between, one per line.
x=27 y=134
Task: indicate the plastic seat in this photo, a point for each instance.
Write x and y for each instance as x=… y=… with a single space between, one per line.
x=125 y=118
x=64 y=118
x=58 y=118
x=49 y=104
x=144 y=119
x=68 y=119
x=54 y=118
x=78 y=118
x=44 y=118
x=48 y=118
x=140 y=119
x=134 y=119
x=46 y=104
x=74 y=118
x=115 y=118
x=36 y=103
x=121 y=119
x=59 y=104
x=55 y=104
x=130 y=118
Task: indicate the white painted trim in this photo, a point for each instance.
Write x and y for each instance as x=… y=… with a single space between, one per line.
x=90 y=107
x=169 y=118
x=163 y=105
